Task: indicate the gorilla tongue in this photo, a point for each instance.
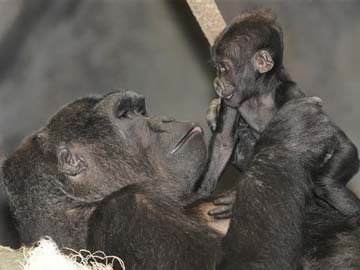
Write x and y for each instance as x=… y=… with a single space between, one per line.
x=188 y=135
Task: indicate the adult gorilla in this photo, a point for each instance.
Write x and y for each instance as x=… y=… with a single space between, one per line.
x=94 y=147
x=104 y=176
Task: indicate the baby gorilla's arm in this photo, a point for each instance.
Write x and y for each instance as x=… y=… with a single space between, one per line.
x=220 y=150
x=229 y=137
x=336 y=173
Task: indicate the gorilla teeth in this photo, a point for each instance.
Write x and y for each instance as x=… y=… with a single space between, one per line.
x=229 y=96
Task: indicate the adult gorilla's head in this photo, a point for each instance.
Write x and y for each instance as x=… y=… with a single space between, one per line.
x=90 y=148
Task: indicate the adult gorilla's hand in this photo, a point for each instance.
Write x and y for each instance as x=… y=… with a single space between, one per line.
x=225 y=202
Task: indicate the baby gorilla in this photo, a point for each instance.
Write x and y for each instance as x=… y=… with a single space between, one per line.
x=253 y=85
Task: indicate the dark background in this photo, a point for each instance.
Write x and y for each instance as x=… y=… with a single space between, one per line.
x=54 y=51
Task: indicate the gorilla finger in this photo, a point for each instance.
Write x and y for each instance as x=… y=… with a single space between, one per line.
x=213 y=111
x=316 y=100
x=220 y=210
x=225 y=215
x=224 y=200
x=310 y=101
x=211 y=123
x=213 y=127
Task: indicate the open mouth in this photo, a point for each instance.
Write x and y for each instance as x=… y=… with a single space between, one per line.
x=221 y=95
x=229 y=96
x=195 y=130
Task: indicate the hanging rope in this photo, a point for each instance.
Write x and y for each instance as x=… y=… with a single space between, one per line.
x=209 y=18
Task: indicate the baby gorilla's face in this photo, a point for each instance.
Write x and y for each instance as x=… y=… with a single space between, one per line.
x=95 y=146
x=236 y=72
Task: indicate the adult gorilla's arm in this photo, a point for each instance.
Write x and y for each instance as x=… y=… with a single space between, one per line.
x=150 y=232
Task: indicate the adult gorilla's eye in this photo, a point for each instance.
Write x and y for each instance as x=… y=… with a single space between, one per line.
x=123 y=114
x=141 y=112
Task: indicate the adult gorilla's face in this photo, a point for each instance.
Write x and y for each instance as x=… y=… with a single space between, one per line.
x=95 y=146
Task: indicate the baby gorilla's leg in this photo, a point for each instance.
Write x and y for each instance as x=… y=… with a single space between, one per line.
x=336 y=173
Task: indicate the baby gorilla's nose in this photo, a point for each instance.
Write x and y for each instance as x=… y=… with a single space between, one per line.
x=221 y=90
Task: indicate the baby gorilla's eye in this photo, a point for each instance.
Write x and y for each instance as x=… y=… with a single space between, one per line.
x=221 y=70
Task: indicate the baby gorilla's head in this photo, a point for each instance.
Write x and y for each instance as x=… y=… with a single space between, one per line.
x=248 y=51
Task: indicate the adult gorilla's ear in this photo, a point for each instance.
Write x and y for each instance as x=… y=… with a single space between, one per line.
x=70 y=162
x=263 y=61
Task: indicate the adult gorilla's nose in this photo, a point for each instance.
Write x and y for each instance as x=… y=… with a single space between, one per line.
x=167 y=119
x=156 y=124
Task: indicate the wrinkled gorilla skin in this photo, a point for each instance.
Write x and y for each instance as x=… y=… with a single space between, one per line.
x=276 y=222
x=69 y=178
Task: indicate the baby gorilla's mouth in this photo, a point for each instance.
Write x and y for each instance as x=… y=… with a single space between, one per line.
x=229 y=96
x=193 y=131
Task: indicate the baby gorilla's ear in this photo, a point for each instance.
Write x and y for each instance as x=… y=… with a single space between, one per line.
x=263 y=61
x=69 y=162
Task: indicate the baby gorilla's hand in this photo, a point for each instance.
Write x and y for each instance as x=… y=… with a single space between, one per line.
x=246 y=139
x=225 y=202
x=213 y=113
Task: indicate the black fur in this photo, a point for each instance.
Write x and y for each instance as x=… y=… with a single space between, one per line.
x=257 y=97
x=275 y=193
x=101 y=161
x=151 y=233
x=100 y=176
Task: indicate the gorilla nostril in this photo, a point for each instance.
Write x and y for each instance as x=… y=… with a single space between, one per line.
x=141 y=112
x=167 y=119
